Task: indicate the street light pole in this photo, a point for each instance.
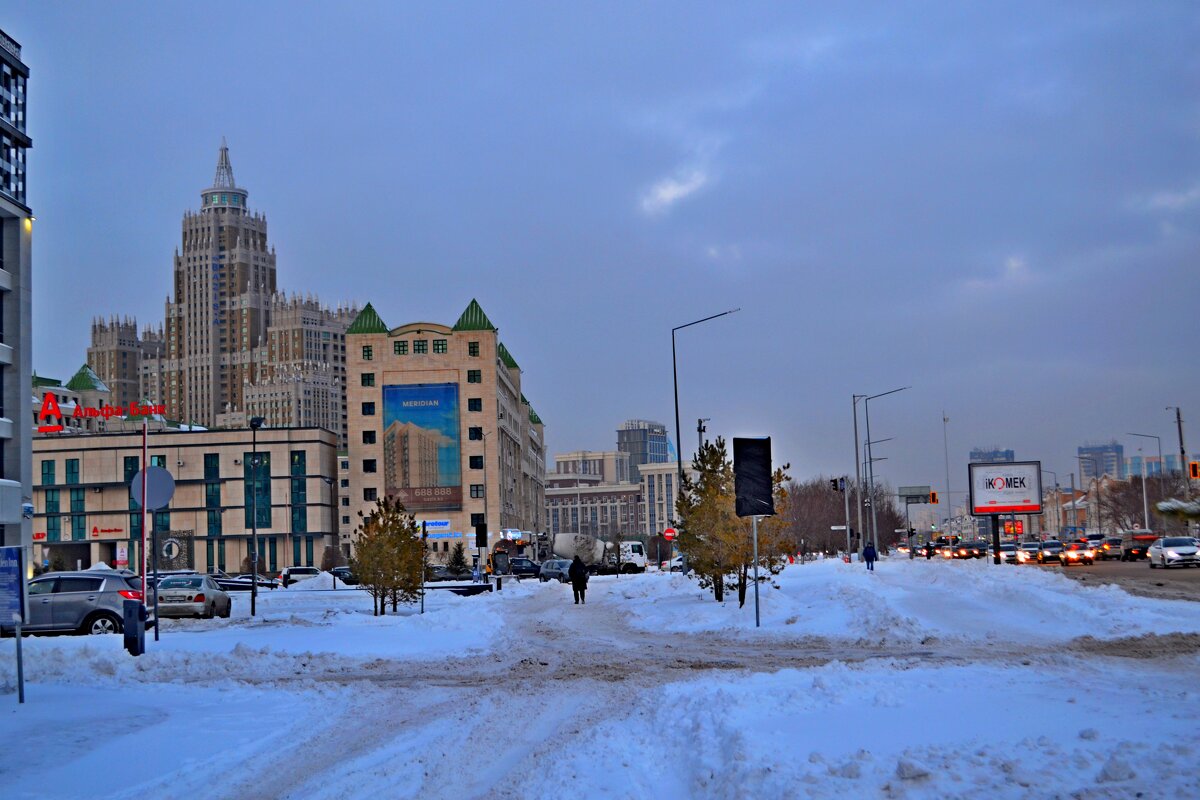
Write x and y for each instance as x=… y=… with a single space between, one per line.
x=1183 y=460
x=858 y=493
x=1145 y=502
x=675 y=378
x=1058 y=500
x=1162 y=467
x=870 y=461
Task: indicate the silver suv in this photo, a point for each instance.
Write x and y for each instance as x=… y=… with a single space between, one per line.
x=88 y=601
x=292 y=575
x=555 y=569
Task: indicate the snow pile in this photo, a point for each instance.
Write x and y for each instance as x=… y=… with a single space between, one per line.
x=905 y=601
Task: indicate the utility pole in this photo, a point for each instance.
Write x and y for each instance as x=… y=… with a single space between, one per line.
x=858 y=498
x=1183 y=459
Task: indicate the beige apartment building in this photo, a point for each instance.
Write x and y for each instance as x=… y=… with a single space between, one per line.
x=437 y=419
x=84 y=512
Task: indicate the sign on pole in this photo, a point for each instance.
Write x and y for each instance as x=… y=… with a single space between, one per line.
x=12 y=602
x=669 y=534
x=914 y=495
x=1005 y=488
x=160 y=488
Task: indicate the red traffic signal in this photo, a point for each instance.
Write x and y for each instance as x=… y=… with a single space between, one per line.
x=933 y=498
x=1194 y=470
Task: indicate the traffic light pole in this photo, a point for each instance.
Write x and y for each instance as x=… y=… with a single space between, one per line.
x=846 y=499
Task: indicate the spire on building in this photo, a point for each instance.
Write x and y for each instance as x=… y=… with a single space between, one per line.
x=224 y=178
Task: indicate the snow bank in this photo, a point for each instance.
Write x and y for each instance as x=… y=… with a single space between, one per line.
x=906 y=601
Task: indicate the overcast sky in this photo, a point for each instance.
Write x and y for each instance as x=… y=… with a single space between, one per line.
x=998 y=205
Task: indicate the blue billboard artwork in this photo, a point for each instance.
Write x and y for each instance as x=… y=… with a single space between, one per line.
x=422 y=455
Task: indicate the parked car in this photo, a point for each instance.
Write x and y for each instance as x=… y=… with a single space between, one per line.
x=1051 y=550
x=1077 y=553
x=1109 y=547
x=523 y=568
x=555 y=569
x=192 y=596
x=86 y=601
x=264 y=582
x=344 y=575
x=291 y=575
x=1174 y=551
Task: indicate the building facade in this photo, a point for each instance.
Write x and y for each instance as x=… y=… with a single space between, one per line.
x=992 y=455
x=438 y=420
x=125 y=356
x=84 y=512
x=16 y=352
x=646 y=442
x=660 y=491
x=1107 y=458
x=594 y=466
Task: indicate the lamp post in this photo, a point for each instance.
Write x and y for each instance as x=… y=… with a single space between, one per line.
x=1145 y=501
x=1162 y=467
x=332 y=520
x=1099 y=512
x=675 y=378
x=1057 y=499
x=858 y=492
x=255 y=424
x=870 y=469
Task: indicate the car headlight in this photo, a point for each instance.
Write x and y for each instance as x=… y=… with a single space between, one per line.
x=1172 y=553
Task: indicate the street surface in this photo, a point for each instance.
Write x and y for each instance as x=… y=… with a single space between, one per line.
x=1136 y=577
x=920 y=680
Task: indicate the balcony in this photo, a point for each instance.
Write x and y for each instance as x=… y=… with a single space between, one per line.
x=6 y=354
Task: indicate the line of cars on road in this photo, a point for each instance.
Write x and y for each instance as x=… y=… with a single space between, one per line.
x=1160 y=552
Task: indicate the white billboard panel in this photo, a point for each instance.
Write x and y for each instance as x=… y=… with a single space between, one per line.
x=1005 y=488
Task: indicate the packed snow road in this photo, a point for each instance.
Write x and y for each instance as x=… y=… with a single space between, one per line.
x=921 y=680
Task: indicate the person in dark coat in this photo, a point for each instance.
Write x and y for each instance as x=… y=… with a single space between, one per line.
x=869 y=555
x=579 y=577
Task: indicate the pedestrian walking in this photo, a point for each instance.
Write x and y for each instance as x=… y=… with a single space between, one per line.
x=869 y=556
x=579 y=577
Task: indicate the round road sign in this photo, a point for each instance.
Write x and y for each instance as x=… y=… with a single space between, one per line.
x=669 y=534
x=160 y=487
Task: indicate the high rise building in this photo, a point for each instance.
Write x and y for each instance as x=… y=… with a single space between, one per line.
x=233 y=347
x=118 y=351
x=1107 y=458
x=645 y=441
x=16 y=352
x=438 y=420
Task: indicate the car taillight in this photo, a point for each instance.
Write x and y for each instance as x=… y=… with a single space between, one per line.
x=198 y=598
x=130 y=594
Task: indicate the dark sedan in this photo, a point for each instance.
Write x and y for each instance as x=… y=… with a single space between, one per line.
x=523 y=568
x=1050 y=550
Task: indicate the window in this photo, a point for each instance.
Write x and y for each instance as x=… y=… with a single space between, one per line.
x=474 y=376
x=72 y=471
x=476 y=462
x=420 y=346
x=299 y=463
x=474 y=404
x=369 y=495
x=368 y=379
x=214 y=523
x=212 y=495
x=368 y=409
x=161 y=521
x=476 y=519
x=439 y=345
x=400 y=348
x=476 y=490
x=52 y=501
x=473 y=349
x=475 y=434
x=344 y=483
x=368 y=437
x=212 y=467
x=345 y=520
x=257 y=493
x=158 y=461
x=346 y=501
x=369 y=465
x=131 y=467
x=47 y=473
x=368 y=352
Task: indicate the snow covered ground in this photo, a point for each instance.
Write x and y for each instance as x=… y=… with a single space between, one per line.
x=922 y=680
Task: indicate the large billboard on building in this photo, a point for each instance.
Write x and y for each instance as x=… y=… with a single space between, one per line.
x=422 y=455
x=1006 y=488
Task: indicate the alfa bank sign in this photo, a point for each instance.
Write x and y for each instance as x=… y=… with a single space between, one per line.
x=50 y=418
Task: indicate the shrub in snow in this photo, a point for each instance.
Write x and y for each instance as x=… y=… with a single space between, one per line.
x=910 y=771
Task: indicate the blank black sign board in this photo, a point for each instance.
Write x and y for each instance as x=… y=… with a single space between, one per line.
x=481 y=535
x=752 y=477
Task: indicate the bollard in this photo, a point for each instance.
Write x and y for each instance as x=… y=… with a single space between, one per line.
x=499 y=583
x=134 y=626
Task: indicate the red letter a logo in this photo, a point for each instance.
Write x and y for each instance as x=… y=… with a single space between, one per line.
x=49 y=408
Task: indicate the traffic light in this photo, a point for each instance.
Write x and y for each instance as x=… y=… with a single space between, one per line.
x=1194 y=470
x=912 y=532
x=833 y=484
x=933 y=498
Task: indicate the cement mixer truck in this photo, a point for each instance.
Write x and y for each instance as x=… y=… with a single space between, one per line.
x=600 y=557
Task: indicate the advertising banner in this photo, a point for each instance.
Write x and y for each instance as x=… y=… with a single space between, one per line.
x=422 y=462
x=1005 y=488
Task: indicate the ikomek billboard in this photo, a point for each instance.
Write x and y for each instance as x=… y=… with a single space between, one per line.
x=1006 y=488
x=422 y=461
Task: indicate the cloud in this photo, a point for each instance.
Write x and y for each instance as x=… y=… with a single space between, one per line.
x=1172 y=201
x=1014 y=275
x=664 y=194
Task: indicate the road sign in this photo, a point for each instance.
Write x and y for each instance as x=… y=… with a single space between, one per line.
x=669 y=534
x=160 y=488
x=914 y=494
x=837 y=527
x=12 y=585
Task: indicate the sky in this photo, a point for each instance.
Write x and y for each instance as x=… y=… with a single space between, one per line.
x=997 y=205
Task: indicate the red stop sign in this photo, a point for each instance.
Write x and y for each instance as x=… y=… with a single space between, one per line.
x=669 y=534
